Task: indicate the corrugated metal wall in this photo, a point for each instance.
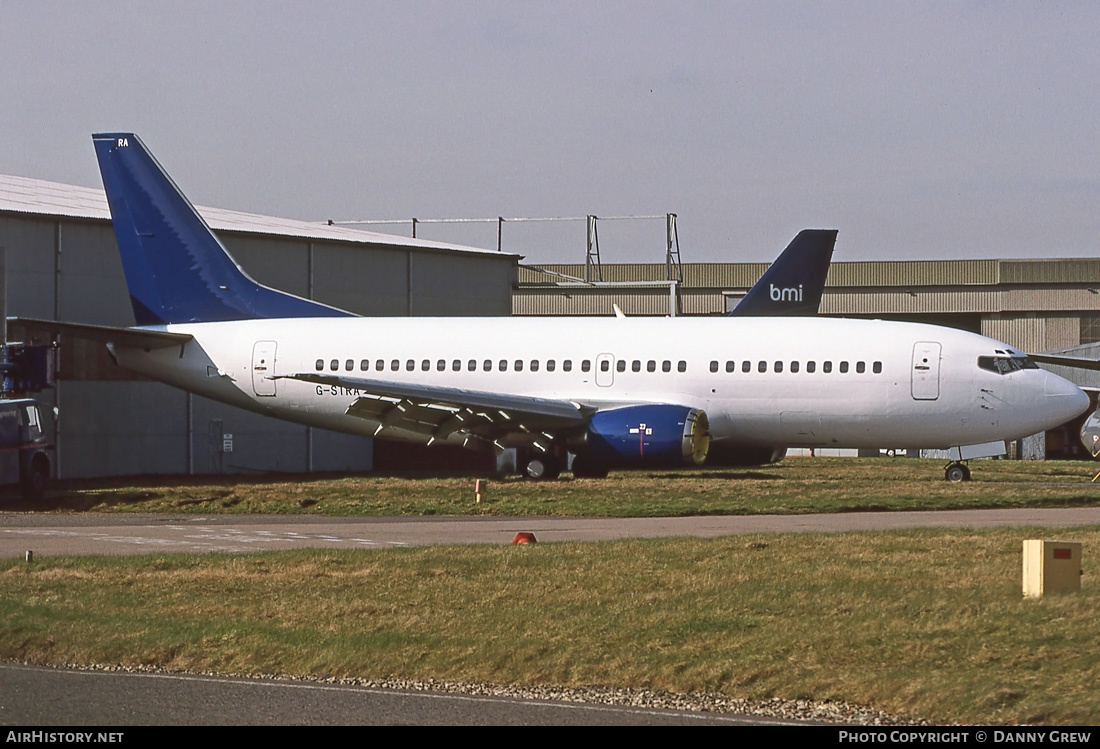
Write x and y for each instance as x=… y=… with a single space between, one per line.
x=1034 y=332
x=1035 y=305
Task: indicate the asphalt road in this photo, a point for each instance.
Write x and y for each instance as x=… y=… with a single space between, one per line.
x=32 y=696
x=94 y=533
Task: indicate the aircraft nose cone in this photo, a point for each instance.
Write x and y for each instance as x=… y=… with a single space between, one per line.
x=1063 y=398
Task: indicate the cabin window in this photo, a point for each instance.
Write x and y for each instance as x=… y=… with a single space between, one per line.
x=620 y=365
x=666 y=366
x=395 y=365
x=714 y=366
x=334 y=365
x=567 y=365
x=320 y=364
x=844 y=367
x=794 y=366
x=551 y=365
x=682 y=366
x=746 y=366
x=425 y=365
x=471 y=366
x=586 y=365
x=410 y=365
x=731 y=366
x=861 y=367
x=349 y=365
x=534 y=365
x=364 y=365
x=605 y=366
x=519 y=365
x=651 y=366
x=441 y=365
x=779 y=366
x=762 y=367
x=380 y=365
x=826 y=367
x=503 y=365
x=487 y=365
x=811 y=366
x=877 y=367
x=456 y=365
x=636 y=366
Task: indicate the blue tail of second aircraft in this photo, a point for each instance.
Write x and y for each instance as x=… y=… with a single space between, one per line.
x=176 y=269
x=792 y=285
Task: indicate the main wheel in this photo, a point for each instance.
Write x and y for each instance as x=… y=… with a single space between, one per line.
x=541 y=468
x=586 y=468
x=956 y=472
x=33 y=486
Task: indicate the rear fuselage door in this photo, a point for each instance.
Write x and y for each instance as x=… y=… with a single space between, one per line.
x=926 y=371
x=263 y=367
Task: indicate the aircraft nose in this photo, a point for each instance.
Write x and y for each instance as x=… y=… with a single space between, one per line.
x=1063 y=398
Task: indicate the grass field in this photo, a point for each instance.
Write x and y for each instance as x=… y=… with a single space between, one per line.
x=797 y=485
x=929 y=624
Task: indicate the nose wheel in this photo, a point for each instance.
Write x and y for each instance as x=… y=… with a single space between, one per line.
x=956 y=472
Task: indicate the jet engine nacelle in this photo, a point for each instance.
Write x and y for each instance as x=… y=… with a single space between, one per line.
x=647 y=436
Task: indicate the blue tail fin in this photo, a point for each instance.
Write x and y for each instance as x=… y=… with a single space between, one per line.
x=792 y=285
x=176 y=269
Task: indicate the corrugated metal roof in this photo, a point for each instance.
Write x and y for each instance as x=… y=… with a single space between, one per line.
x=884 y=273
x=42 y=198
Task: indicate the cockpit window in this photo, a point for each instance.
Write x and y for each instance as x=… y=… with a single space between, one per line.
x=1006 y=364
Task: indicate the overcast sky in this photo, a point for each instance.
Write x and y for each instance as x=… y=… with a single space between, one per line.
x=919 y=130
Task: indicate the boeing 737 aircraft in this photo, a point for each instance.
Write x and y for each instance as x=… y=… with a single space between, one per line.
x=616 y=392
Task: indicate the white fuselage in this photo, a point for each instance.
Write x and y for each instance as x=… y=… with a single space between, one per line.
x=794 y=381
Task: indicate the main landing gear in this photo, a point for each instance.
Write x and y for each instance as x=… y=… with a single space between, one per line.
x=547 y=466
x=956 y=472
x=542 y=467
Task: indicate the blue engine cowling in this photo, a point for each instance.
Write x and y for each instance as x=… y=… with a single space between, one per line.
x=648 y=436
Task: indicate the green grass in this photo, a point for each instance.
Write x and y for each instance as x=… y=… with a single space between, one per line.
x=796 y=485
x=929 y=624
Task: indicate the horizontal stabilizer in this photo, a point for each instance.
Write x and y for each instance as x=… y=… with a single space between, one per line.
x=125 y=337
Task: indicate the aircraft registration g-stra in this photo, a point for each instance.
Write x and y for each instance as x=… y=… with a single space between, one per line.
x=616 y=392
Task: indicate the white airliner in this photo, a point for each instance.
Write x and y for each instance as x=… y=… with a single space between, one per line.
x=616 y=392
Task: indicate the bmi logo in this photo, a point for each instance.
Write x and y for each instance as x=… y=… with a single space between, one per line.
x=785 y=295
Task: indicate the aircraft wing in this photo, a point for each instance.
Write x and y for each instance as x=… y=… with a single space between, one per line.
x=126 y=337
x=438 y=412
x=1066 y=361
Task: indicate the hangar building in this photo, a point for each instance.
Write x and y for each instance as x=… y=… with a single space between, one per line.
x=1034 y=305
x=63 y=264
